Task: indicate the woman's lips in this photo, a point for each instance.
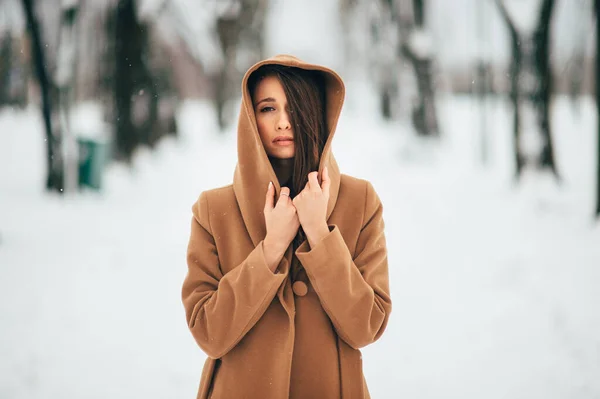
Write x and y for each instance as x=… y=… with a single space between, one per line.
x=283 y=141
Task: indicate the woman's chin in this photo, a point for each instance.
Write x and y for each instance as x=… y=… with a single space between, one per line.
x=282 y=154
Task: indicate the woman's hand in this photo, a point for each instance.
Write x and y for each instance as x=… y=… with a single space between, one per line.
x=311 y=205
x=282 y=224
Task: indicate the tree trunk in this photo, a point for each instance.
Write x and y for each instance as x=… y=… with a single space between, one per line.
x=576 y=64
x=55 y=174
x=419 y=12
x=386 y=103
x=384 y=63
x=544 y=93
x=142 y=83
x=137 y=94
x=238 y=29
x=5 y=67
x=228 y=32
x=127 y=57
x=597 y=8
x=531 y=83
x=64 y=80
x=515 y=71
x=424 y=112
x=483 y=81
x=575 y=78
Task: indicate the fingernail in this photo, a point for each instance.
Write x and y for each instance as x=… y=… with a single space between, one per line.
x=270 y=184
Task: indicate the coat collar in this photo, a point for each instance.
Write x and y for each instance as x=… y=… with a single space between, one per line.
x=253 y=171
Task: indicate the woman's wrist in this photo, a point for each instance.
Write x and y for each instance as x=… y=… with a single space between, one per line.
x=273 y=253
x=315 y=235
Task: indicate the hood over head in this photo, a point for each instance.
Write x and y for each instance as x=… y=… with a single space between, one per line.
x=254 y=171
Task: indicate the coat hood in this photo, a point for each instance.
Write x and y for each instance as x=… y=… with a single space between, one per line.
x=253 y=171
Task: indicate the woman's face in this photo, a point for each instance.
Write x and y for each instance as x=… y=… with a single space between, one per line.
x=272 y=118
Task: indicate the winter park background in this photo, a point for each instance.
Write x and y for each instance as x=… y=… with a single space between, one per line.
x=495 y=280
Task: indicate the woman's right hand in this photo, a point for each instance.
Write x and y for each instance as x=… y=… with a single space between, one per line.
x=282 y=224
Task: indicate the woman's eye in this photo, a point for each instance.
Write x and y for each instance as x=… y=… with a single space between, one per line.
x=267 y=109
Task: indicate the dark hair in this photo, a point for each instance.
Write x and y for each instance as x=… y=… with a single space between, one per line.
x=305 y=93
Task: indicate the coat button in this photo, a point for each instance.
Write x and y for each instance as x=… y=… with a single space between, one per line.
x=300 y=288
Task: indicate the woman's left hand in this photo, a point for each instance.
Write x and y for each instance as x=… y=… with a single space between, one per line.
x=311 y=207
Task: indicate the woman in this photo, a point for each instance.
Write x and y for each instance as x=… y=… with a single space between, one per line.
x=287 y=267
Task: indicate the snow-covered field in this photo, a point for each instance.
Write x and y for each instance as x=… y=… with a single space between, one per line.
x=495 y=286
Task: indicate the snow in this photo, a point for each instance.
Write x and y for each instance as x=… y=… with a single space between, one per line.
x=493 y=285
x=87 y=121
x=228 y=9
x=421 y=44
x=66 y=4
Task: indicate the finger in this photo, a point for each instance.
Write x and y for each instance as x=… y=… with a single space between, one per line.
x=284 y=195
x=325 y=181
x=313 y=181
x=270 y=197
x=306 y=188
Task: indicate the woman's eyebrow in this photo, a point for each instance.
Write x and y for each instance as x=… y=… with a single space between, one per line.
x=264 y=100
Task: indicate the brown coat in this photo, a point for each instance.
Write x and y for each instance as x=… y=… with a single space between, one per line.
x=297 y=332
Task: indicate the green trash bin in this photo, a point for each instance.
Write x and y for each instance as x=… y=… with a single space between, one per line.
x=92 y=159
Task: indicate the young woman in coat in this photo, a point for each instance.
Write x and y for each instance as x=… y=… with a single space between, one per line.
x=287 y=267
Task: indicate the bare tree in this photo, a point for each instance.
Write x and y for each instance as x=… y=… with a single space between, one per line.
x=484 y=75
x=543 y=96
x=128 y=73
x=378 y=56
x=597 y=9
x=49 y=93
x=531 y=86
x=14 y=70
x=13 y=60
x=400 y=55
x=575 y=66
x=345 y=9
x=64 y=78
x=240 y=30
x=139 y=84
x=415 y=46
x=5 y=66
x=387 y=60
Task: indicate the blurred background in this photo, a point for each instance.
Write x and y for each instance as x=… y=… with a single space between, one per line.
x=475 y=120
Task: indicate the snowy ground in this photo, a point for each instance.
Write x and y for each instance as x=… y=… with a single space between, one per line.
x=494 y=286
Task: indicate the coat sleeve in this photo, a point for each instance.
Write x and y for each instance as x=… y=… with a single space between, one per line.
x=221 y=308
x=353 y=292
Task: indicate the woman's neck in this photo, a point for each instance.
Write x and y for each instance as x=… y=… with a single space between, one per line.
x=283 y=169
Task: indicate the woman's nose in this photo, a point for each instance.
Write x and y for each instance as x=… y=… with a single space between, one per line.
x=284 y=121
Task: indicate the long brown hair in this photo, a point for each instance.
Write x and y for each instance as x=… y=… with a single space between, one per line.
x=305 y=95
